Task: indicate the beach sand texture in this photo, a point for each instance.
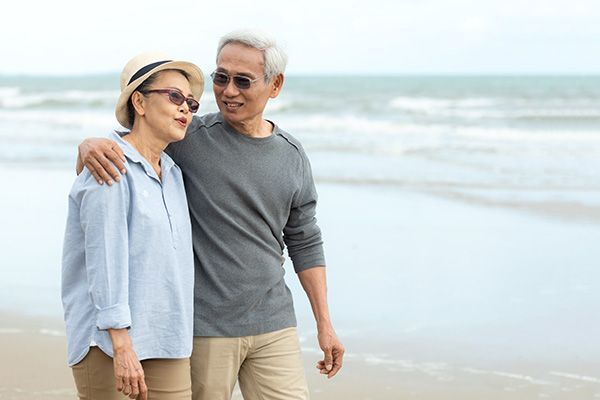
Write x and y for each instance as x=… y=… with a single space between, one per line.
x=34 y=367
x=495 y=315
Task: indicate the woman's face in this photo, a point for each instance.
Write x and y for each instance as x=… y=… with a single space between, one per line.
x=166 y=119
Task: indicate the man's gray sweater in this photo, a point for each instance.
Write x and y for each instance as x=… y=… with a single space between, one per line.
x=248 y=198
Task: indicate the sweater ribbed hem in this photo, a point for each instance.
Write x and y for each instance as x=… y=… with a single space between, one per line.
x=206 y=328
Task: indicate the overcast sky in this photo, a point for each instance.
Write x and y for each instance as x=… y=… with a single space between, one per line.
x=321 y=36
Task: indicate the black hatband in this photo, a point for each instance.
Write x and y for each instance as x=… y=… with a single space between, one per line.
x=145 y=69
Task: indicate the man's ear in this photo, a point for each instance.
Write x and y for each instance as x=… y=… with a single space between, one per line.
x=276 y=85
x=139 y=102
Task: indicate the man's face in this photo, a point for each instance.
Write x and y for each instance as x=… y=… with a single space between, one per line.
x=244 y=106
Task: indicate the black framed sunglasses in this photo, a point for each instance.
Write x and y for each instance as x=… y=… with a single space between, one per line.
x=176 y=97
x=240 y=81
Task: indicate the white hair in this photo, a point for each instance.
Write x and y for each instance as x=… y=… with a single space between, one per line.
x=274 y=57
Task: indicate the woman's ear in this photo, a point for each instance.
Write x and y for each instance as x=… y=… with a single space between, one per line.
x=138 y=100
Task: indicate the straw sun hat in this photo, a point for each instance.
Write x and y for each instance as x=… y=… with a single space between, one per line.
x=140 y=67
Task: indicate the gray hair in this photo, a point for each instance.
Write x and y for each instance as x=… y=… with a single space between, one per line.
x=274 y=57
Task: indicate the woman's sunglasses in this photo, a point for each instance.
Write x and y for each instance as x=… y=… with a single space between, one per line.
x=176 y=97
x=240 y=81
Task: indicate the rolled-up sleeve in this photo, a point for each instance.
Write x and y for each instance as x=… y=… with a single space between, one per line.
x=301 y=233
x=104 y=216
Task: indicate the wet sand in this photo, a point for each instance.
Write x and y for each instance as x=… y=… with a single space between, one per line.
x=434 y=297
x=34 y=367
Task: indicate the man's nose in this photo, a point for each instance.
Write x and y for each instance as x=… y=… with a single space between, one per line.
x=231 y=89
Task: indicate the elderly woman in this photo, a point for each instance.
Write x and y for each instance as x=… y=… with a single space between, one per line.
x=127 y=273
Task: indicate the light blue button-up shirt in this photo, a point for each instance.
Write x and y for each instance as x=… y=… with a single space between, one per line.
x=128 y=261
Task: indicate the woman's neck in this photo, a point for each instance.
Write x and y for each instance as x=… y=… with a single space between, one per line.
x=148 y=146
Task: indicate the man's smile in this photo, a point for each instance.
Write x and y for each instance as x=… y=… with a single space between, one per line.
x=233 y=105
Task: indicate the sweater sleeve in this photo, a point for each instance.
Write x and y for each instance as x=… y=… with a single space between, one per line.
x=103 y=216
x=301 y=233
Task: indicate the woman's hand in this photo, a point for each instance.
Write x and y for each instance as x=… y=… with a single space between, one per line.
x=101 y=156
x=129 y=374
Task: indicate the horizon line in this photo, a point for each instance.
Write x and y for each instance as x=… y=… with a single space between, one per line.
x=337 y=74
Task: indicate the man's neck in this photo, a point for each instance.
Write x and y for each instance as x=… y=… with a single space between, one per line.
x=256 y=129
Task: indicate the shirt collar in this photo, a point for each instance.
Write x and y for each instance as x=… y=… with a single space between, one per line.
x=134 y=156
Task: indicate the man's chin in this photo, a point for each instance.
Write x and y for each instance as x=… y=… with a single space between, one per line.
x=231 y=116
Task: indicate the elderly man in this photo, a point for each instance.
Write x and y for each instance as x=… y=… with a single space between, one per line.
x=251 y=193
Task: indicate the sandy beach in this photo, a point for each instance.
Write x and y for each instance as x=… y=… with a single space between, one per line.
x=434 y=297
x=34 y=367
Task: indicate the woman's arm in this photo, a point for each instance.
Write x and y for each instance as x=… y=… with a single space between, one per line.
x=129 y=373
x=104 y=214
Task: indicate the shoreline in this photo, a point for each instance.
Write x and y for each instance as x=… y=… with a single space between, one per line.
x=432 y=297
x=34 y=351
x=509 y=198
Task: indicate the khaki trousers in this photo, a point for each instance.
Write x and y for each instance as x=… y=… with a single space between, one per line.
x=268 y=367
x=167 y=379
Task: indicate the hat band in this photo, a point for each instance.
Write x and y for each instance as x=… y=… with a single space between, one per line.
x=146 y=69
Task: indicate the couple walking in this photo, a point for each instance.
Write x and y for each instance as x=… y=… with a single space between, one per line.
x=172 y=277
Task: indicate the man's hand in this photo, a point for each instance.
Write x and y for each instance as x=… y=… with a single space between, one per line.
x=333 y=351
x=101 y=156
x=313 y=281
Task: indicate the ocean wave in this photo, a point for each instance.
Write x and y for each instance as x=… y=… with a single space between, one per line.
x=344 y=124
x=578 y=377
x=347 y=128
x=51 y=332
x=278 y=106
x=432 y=104
x=521 y=114
x=4 y=331
x=318 y=130
x=473 y=108
x=14 y=98
x=55 y=118
x=522 y=377
x=555 y=114
x=44 y=128
x=6 y=91
x=548 y=136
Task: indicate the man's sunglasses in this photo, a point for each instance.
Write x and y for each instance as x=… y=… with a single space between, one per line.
x=240 y=81
x=176 y=97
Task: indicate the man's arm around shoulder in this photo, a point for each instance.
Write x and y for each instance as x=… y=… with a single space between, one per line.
x=100 y=156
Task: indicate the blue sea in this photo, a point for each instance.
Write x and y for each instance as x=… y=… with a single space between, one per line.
x=461 y=216
x=494 y=134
